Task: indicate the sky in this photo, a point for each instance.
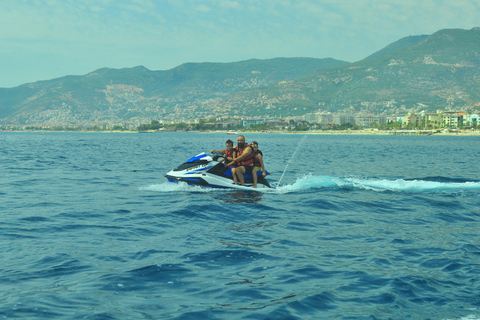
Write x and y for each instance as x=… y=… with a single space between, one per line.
x=46 y=39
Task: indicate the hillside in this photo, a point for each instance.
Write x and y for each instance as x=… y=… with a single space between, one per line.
x=108 y=94
x=432 y=72
x=397 y=45
x=437 y=71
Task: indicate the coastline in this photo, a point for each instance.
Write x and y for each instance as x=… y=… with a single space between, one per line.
x=461 y=133
x=360 y=132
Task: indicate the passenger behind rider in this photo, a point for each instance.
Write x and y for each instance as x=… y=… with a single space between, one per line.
x=257 y=163
x=244 y=159
x=229 y=154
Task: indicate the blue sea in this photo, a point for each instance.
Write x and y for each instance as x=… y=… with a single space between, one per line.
x=357 y=227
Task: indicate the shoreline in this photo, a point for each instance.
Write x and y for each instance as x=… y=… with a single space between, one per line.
x=330 y=132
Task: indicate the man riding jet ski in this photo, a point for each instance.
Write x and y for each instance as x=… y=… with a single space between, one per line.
x=208 y=171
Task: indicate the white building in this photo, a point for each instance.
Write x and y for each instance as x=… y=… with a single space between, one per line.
x=343 y=118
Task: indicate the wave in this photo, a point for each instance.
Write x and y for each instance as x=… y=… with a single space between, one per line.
x=429 y=184
x=176 y=187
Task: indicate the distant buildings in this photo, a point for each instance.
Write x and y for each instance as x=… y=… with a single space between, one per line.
x=250 y=122
x=366 y=120
x=222 y=117
x=440 y=119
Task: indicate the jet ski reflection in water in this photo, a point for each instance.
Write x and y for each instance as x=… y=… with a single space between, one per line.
x=208 y=171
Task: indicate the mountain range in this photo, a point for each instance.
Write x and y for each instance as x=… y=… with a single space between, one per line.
x=431 y=72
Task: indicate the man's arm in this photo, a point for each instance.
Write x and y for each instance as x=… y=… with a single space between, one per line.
x=234 y=154
x=230 y=159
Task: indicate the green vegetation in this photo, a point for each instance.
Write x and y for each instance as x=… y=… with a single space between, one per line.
x=154 y=125
x=202 y=125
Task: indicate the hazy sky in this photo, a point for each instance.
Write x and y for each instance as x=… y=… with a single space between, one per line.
x=46 y=39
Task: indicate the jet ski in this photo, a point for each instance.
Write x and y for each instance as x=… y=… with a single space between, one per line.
x=208 y=171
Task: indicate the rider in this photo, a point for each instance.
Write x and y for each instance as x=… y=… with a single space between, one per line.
x=257 y=163
x=244 y=159
x=229 y=154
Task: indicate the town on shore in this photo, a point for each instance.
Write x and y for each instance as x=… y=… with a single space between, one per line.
x=320 y=122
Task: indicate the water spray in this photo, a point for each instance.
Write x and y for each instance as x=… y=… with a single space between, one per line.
x=293 y=155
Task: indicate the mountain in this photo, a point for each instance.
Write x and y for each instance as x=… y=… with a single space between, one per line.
x=397 y=45
x=123 y=94
x=430 y=72
x=434 y=72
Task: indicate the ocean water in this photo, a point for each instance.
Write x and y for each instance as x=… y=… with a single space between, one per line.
x=357 y=227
